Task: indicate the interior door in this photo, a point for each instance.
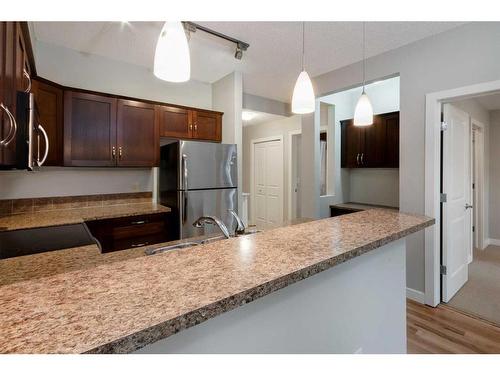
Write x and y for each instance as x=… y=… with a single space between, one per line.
x=268 y=180
x=137 y=134
x=457 y=215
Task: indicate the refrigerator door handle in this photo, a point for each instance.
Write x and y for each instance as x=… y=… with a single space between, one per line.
x=184 y=172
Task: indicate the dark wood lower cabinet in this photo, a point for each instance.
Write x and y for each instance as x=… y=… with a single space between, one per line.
x=374 y=146
x=130 y=232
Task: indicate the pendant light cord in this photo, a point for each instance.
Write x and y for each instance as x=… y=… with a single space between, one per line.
x=364 y=58
x=303 y=45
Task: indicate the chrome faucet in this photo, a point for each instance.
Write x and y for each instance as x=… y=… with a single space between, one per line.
x=201 y=221
x=240 y=227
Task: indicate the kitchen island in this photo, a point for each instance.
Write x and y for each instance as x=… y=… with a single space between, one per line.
x=331 y=285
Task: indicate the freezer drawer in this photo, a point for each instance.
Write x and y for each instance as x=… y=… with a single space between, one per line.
x=196 y=203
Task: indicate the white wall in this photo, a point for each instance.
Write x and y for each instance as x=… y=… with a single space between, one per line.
x=281 y=127
x=494 y=185
x=374 y=186
x=227 y=94
x=462 y=56
x=55 y=182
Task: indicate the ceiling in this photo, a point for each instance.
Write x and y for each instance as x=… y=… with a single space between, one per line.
x=274 y=55
x=490 y=102
x=259 y=117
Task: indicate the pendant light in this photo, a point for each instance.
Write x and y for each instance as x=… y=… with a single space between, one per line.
x=172 y=62
x=363 y=114
x=303 y=100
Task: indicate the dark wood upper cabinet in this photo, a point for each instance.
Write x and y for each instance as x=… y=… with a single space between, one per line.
x=89 y=129
x=175 y=122
x=137 y=134
x=374 y=146
x=207 y=126
x=49 y=104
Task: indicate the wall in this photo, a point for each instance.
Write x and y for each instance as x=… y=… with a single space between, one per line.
x=373 y=186
x=87 y=71
x=459 y=57
x=280 y=127
x=494 y=156
x=55 y=182
x=227 y=94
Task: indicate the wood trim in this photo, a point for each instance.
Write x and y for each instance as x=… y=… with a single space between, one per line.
x=29 y=47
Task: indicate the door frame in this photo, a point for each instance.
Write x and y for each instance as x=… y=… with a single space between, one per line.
x=479 y=188
x=433 y=102
x=253 y=142
x=291 y=134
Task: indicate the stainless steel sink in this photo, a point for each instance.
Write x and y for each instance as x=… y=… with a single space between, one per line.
x=163 y=249
x=250 y=231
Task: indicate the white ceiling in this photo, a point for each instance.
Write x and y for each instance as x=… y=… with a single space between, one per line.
x=260 y=117
x=490 y=102
x=271 y=64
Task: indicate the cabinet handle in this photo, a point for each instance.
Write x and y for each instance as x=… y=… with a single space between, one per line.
x=26 y=74
x=190 y=126
x=139 y=244
x=138 y=222
x=46 y=139
x=357 y=159
x=113 y=152
x=362 y=158
x=195 y=126
x=12 y=129
x=120 y=152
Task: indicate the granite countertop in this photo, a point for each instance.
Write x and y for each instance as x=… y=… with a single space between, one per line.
x=121 y=306
x=76 y=215
x=362 y=206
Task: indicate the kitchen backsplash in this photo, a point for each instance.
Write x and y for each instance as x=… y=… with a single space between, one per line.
x=28 y=205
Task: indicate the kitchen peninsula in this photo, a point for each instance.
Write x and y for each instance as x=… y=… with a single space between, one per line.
x=331 y=285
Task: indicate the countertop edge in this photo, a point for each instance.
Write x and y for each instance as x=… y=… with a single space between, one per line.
x=149 y=335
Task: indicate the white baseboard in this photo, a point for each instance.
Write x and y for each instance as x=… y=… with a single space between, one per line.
x=415 y=295
x=493 y=241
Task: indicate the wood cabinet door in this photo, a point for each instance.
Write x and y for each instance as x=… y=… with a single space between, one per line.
x=49 y=104
x=391 y=121
x=22 y=65
x=7 y=89
x=175 y=122
x=352 y=142
x=137 y=133
x=89 y=130
x=375 y=144
x=207 y=126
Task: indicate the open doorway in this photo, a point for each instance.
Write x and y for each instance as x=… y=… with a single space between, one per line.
x=468 y=172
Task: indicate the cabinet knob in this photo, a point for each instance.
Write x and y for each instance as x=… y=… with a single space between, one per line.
x=113 y=152
x=195 y=126
x=120 y=152
x=190 y=126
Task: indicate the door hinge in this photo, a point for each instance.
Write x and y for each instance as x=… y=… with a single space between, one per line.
x=473 y=228
x=473 y=185
x=443 y=270
x=444 y=126
x=443 y=197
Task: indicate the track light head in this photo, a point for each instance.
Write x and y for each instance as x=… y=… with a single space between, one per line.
x=239 y=53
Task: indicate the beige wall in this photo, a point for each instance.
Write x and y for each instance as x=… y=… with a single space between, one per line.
x=462 y=56
x=280 y=127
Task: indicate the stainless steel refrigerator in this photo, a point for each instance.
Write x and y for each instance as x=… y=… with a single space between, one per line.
x=197 y=179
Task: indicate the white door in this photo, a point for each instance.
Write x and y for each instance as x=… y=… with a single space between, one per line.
x=457 y=217
x=295 y=209
x=268 y=184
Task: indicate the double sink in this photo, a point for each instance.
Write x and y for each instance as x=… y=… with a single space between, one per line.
x=187 y=244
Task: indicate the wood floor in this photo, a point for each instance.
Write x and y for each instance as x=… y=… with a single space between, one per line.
x=445 y=330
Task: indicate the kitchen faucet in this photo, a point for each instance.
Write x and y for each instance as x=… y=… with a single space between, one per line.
x=201 y=221
x=240 y=227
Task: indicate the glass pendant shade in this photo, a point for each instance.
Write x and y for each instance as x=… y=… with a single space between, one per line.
x=363 y=114
x=303 y=100
x=172 y=61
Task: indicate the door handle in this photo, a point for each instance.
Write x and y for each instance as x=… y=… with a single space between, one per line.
x=12 y=128
x=363 y=154
x=467 y=206
x=357 y=159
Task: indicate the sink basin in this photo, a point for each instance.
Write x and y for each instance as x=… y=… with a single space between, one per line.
x=163 y=249
x=250 y=231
